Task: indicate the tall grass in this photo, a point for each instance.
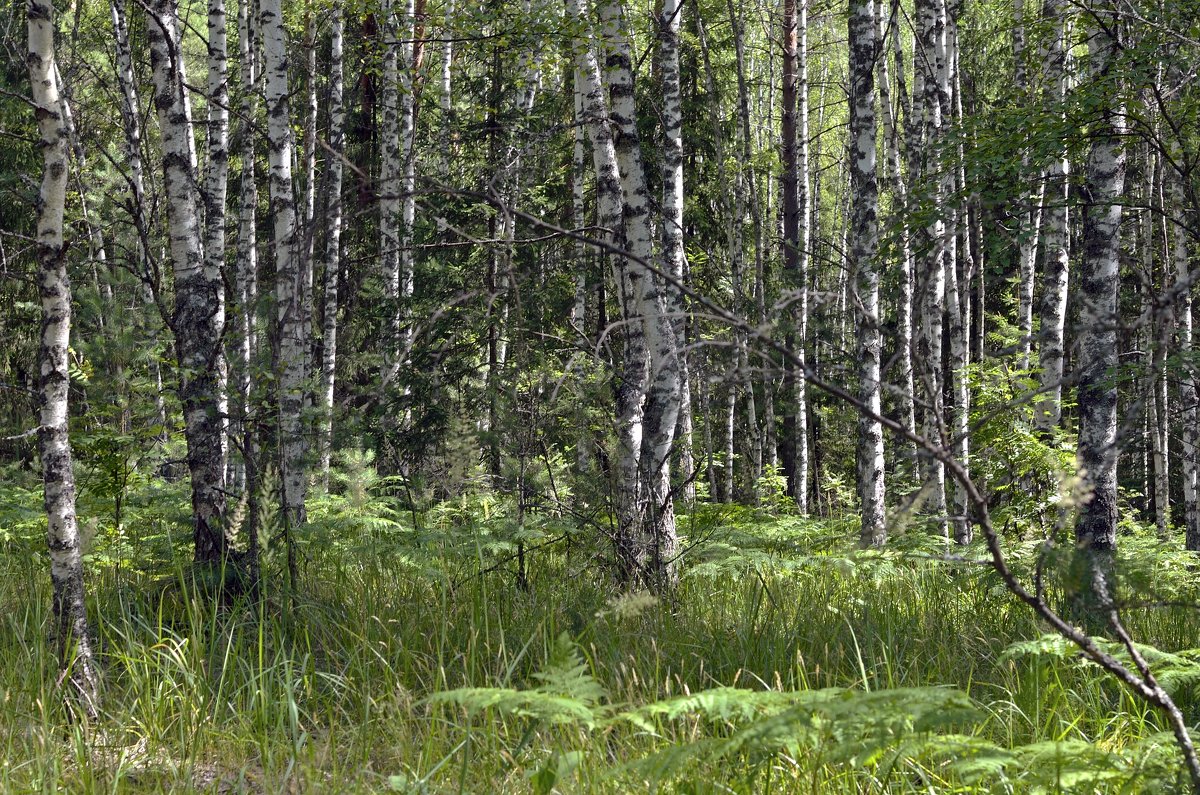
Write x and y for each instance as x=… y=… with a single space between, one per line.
x=327 y=689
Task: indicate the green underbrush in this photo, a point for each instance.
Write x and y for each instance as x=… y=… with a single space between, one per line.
x=407 y=659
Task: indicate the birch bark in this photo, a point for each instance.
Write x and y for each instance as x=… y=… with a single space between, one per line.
x=289 y=289
x=199 y=320
x=863 y=248
x=333 y=236
x=66 y=563
x=1096 y=526
x=1055 y=233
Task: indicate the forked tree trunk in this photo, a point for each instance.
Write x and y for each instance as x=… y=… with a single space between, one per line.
x=199 y=319
x=863 y=246
x=72 y=632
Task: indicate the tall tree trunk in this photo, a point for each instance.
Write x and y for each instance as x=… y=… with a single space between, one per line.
x=1104 y=185
x=1030 y=212
x=246 y=284
x=216 y=180
x=656 y=544
x=956 y=298
x=1187 y=381
x=333 y=237
x=199 y=320
x=669 y=21
x=930 y=69
x=863 y=246
x=890 y=26
x=72 y=632
x=289 y=288
x=796 y=230
x=1055 y=234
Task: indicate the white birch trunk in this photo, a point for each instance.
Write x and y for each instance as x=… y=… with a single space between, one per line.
x=1096 y=526
x=216 y=180
x=72 y=632
x=1055 y=231
x=289 y=288
x=246 y=284
x=656 y=544
x=1187 y=382
x=198 y=321
x=332 y=260
x=930 y=55
x=863 y=246
x=669 y=21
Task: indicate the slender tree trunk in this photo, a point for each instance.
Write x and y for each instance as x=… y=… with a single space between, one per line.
x=796 y=229
x=391 y=170
x=289 y=288
x=333 y=237
x=930 y=68
x=246 y=285
x=216 y=180
x=956 y=298
x=863 y=247
x=672 y=225
x=72 y=631
x=1029 y=218
x=1104 y=185
x=1055 y=233
x=1187 y=382
x=198 y=322
x=890 y=26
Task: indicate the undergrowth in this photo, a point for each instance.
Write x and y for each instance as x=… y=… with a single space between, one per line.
x=407 y=660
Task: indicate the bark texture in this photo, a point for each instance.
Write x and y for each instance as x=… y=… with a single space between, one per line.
x=1096 y=526
x=199 y=317
x=72 y=632
x=863 y=246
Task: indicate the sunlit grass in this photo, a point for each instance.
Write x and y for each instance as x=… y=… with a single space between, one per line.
x=326 y=689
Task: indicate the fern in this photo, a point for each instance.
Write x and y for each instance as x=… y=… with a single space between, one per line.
x=568 y=693
x=1175 y=671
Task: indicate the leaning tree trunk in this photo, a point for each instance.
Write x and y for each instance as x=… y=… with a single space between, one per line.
x=1104 y=184
x=333 y=238
x=863 y=246
x=289 y=289
x=66 y=563
x=199 y=317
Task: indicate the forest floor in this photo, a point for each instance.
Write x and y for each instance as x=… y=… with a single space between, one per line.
x=407 y=660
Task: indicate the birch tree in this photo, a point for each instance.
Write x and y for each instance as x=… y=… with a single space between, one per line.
x=72 y=631
x=289 y=292
x=863 y=246
x=1056 y=232
x=1104 y=183
x=198 y=322
x=669 y=21
x=333 y=236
